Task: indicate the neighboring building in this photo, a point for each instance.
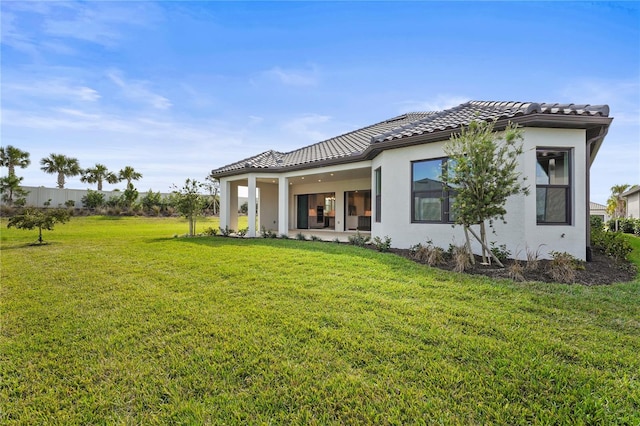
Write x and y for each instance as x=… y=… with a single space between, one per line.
x=599 y=210
x=383 y=179
x=632 y=199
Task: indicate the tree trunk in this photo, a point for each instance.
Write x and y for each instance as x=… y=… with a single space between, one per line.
x=487 y=248
x=99 y=185
x=466 y=236
x=483 y=235
x=40 y=234
x=60 y=180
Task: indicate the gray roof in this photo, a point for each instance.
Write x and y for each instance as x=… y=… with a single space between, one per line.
x=465 y=113
x=596 y=206
x=344 y=145
x=353 y=146
x=630 y=191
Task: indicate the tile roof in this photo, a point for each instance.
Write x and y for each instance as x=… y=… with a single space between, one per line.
x=596 y=206
x=354 y=143
x=464 y=114
x=340 y=146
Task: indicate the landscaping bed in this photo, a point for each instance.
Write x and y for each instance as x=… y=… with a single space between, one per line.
x=600 y=271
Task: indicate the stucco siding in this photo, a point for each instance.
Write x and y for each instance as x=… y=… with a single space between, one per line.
x=521 y=230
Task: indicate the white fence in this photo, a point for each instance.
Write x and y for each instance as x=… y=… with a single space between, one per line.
x=39 y=195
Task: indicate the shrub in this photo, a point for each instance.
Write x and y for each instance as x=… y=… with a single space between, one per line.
x=358 y=239
x=460 y=257
x=533 y=259
x=315 y=238
x=93 y=199
x=211 y=231
x=429 y=254
x=69 y=203
x=626 y=225
x=242 y=232
x=300 y=237
x=515 y=271
x=596 y=222
x=267 y=233
x=382 y=245
x=636 y=228
x=563 y=266
x=226 y=231
x=336 y=240
x=500 y=251
x=613 y=244
x=284 y=236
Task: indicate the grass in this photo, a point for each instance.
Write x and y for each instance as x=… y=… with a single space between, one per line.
x=116 y=321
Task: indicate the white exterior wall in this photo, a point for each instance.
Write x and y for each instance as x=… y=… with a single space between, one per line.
x=520 y=231
x=38 y=195
x=268 y=206
x=337 y=187
x=633 y=205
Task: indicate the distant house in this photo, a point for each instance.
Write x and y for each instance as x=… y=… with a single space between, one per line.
x=632 y=198
x=383 y=179
x=599 y=210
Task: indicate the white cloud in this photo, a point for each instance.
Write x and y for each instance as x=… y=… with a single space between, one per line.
x=437 y=103
x=306 y=126
x=59 y=89
x=294 y=77
x=137 y=90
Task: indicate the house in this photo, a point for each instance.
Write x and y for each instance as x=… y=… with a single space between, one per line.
x=632 y=199
x=599 y=210
x=383 y=179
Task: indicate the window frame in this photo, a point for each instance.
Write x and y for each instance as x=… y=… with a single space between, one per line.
x=377 y=173
x=445 y=197
x=568 y=187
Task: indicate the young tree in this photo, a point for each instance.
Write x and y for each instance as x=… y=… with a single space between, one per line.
x=189 y=202
x=11 y=190
x=12 y=157
x=61 y=165
x=129 y=174
x=98 y=174
x=212 y=185
x=482 y=172
x=32 y=217
x=616 y=205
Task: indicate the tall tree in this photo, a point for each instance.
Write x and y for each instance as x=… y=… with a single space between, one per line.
x=61 y=165
x=616 y=205
x=12 y=157
x=129 y=174
x=482 y=172
x=98 y=174
x=11 y=191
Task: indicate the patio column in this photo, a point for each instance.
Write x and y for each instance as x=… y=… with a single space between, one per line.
x=252 y=206
x=225 y=190
x=283 y=206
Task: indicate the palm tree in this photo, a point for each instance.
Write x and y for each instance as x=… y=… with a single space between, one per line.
x=11 y=157
x=616 y=205
x=98 y=174
x=129 y=174
x=62 y=165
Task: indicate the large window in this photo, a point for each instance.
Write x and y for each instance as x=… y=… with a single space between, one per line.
x=431 y=200
x=378 y=193
x=553 y=186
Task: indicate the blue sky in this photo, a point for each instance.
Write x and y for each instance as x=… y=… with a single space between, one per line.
x=176 y=89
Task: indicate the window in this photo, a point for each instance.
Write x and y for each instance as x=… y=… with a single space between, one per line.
x=553 y=186
x=378 y=194
x=430 y=200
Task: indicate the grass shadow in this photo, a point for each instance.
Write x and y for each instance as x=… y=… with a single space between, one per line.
x=34 y=245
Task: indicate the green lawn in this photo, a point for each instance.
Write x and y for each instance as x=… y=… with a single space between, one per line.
x=116 y=321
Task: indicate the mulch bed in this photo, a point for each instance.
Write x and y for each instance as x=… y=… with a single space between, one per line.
x=600 y=271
